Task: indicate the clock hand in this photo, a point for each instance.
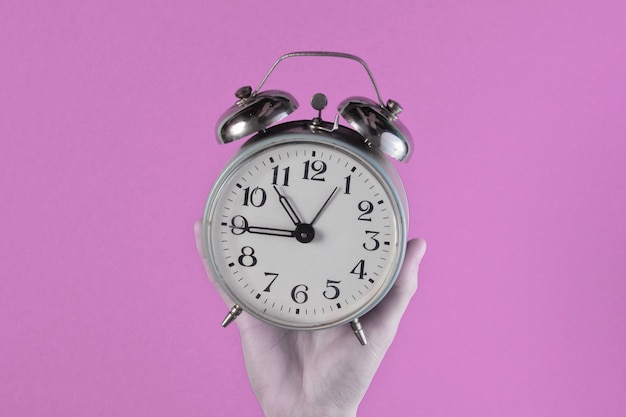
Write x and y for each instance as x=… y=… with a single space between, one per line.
x=288 y=208
x=324 y=205
x=303 y=233
x=270 y=231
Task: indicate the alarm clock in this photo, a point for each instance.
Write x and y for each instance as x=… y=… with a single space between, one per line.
x=306 y=226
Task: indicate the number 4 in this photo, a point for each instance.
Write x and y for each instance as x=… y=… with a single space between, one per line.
x=359 y=269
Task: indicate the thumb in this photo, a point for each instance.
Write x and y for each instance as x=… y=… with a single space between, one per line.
x=385 y=317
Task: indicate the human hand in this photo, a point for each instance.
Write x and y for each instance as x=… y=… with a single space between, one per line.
x=321 y=373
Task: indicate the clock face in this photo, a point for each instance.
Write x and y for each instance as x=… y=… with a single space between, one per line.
x=304 y=234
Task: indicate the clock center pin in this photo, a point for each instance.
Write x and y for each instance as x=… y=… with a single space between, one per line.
x=304 y=233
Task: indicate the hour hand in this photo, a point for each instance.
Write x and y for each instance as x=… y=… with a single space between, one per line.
x=288 y=208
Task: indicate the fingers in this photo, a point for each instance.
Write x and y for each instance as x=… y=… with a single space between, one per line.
x=384 y=318
x=407 y=282
x=197 y=231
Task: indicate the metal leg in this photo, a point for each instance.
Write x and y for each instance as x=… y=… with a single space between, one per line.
x=358 y=331
x=232 y=315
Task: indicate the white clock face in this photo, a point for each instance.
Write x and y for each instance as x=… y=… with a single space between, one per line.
x=304 y=235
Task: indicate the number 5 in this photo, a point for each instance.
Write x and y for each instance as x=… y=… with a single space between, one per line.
x=335 y=289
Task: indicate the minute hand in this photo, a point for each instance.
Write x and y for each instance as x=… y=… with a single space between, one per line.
x=288 y=208
x=270 y=231
x=324 y=205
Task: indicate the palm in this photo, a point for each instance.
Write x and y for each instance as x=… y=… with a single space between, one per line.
x=325 y=369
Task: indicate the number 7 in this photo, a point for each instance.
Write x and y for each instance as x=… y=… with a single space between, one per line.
x=267 y=289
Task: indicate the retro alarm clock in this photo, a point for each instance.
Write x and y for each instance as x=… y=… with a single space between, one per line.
x=306 y=226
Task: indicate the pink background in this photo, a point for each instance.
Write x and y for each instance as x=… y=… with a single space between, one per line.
x=518 y=183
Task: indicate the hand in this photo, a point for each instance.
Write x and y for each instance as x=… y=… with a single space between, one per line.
x=242 y=228
x=326 y=372
x=288 y=208
x=324 y=206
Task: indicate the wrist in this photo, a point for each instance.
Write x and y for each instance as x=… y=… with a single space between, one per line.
x=313 y=414
x=309 y=411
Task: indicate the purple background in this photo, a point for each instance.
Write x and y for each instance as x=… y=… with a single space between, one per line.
x=518 y=183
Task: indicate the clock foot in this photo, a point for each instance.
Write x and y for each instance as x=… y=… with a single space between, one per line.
x=232 y=315
x=358 y=331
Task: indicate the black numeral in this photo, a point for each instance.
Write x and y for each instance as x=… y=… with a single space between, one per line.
x=256 y=197
x=334 y=290
x=367 y=208
x=318 y=167
x=238 y=225
x=299 y=294
x=285 y=178
x=359 y=269
x=348 y=180
x=247 y=257
x=270 y=274
x=373 y=242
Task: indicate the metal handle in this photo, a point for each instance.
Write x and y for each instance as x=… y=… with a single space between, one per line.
x=323 y=54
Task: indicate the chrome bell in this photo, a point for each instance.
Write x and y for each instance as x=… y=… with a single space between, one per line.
x=379 y=125
x=253 y=113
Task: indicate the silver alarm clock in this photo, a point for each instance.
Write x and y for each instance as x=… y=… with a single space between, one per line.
x=306 y=226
